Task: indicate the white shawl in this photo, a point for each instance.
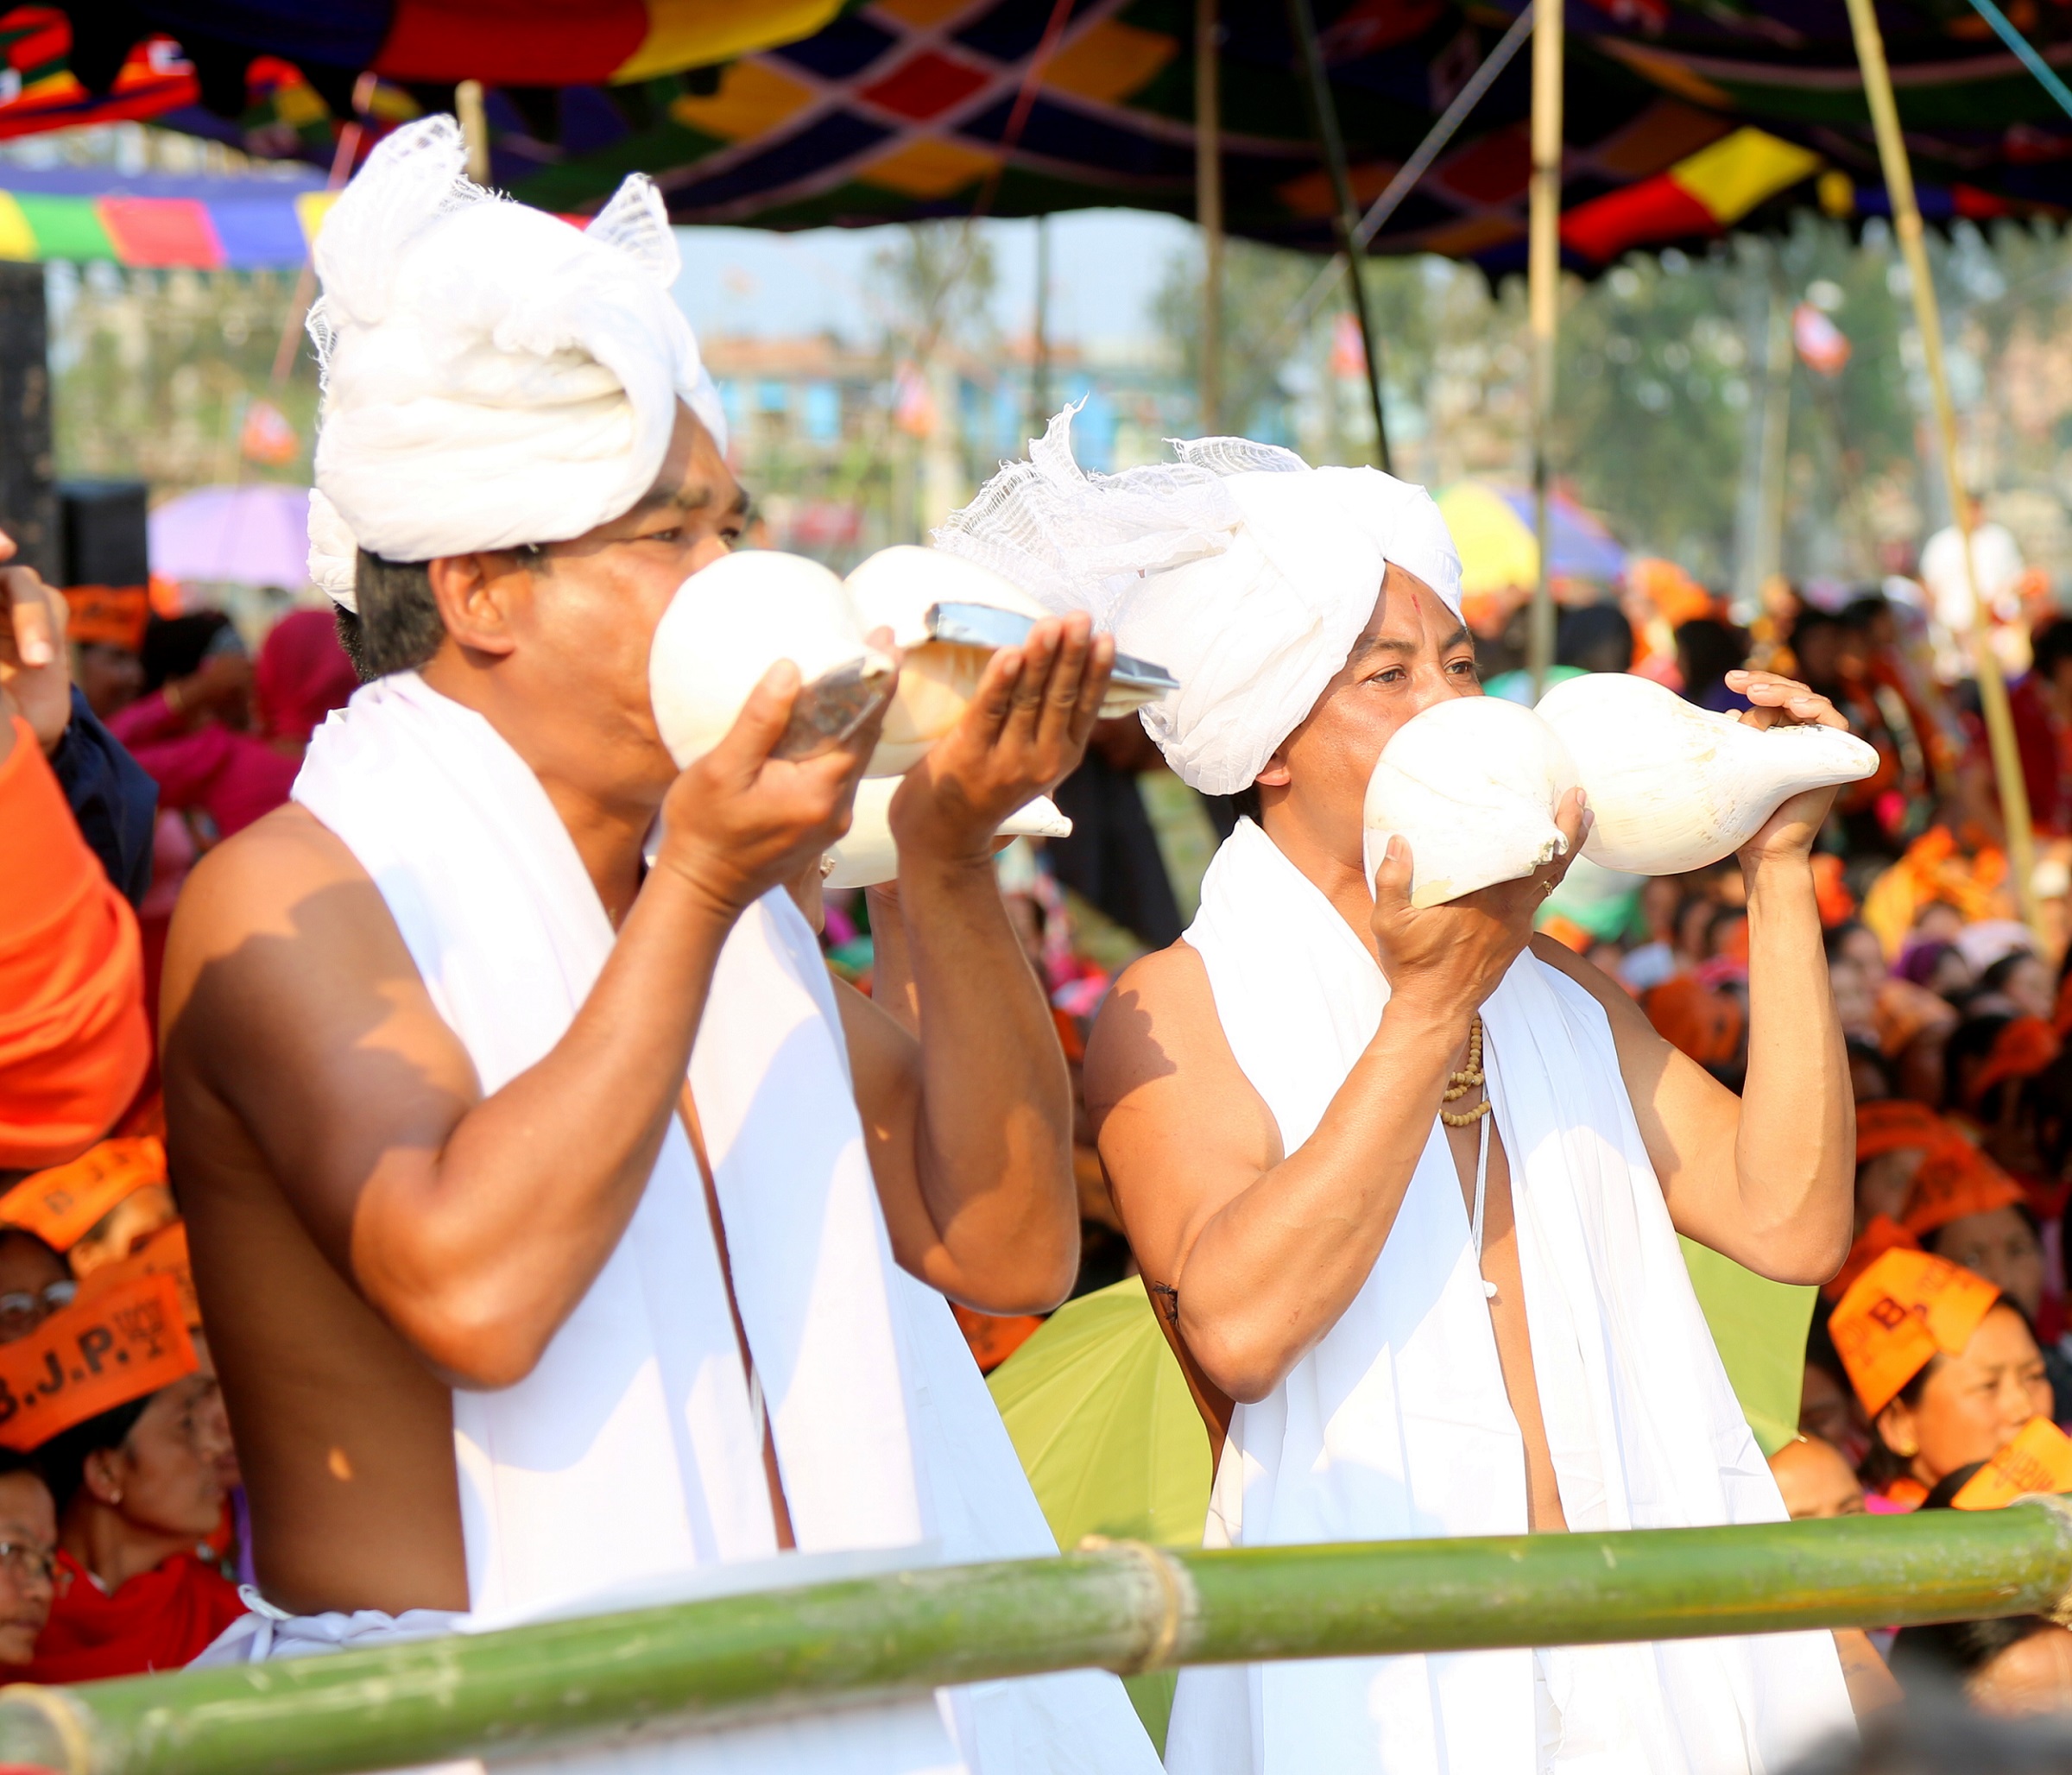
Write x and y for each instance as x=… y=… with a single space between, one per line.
x=1398 y=1424
x=630 y=1452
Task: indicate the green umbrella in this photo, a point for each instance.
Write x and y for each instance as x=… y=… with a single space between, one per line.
x=1109 y=1435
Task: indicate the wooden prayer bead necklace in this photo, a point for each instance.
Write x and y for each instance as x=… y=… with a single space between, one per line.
x=1471 y=1078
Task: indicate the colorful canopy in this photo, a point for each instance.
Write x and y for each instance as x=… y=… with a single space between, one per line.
x=207 y=225
x=1492 y=529
x=1683 y=118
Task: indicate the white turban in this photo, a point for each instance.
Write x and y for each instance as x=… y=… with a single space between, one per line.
x=492 y=377
x=1242 y=570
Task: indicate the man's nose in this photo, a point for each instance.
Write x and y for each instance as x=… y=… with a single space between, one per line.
x=707 y=550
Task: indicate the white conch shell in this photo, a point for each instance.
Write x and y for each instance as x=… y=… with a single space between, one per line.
x=865 y=856
x=895 y=588
x=1473 y=784
x=727 y=624
x=1674 y=787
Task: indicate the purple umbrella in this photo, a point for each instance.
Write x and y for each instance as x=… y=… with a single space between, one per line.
x=255 y=534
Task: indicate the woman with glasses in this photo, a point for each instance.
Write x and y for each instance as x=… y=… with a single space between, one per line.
x=28 y=1538
x=34 y=1283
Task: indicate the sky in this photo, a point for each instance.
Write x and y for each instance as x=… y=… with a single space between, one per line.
x=1106 y=266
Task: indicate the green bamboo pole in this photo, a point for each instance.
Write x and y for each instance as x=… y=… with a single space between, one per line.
x=1126 y=1607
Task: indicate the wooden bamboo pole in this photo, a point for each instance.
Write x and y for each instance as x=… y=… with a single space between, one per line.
x=1209 y=209
x=1927 y=319
x=1330 y=145
x=1127 y=1607
x=1543 y=307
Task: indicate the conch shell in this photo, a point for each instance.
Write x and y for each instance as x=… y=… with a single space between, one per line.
x=895 y=588
x=865 y=854
x=1675 y=787
x=1473 y=784
x=730 y=623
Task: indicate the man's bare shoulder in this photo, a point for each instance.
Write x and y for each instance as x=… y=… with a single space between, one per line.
x=285 y=975
x=1158 y=1027
x=258 y=879
x=1625 y=1017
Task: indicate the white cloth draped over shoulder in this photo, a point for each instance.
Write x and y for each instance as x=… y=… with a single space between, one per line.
x=631 y=1450
x=1397 y=1426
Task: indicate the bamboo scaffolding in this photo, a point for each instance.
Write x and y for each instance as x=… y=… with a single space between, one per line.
x=1124 y=1606
x=1209 y=209
x=1330 y=145
x=1927 y=319
x=1543 y=300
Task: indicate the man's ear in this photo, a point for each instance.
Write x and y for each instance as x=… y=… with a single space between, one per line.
x=1274 y=775
x=99 y=1473
x=477 y=595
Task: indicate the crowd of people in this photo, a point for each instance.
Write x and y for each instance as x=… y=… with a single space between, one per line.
x=135 y=742
x=521 y=1172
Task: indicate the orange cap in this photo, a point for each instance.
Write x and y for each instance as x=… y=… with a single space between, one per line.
x=1893 y=1124
x=1880 y=1234
x=92 y=1357
x=164 y=1253
x=112 y=616
x=1707 y=1025
x=2039 y=1459
x=1956 y=1179
x=59 y=1204
x=2022 y=1049
x=1901 y=1313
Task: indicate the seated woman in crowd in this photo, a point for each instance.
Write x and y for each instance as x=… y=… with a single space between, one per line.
x=1945 y=1367
x=139 y=1490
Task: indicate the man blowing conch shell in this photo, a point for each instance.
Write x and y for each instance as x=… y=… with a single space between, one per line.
x=1289 y=1106
x=565 y=1234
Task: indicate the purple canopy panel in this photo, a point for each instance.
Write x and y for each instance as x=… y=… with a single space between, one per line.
x=1582 y=547
x=255 y=534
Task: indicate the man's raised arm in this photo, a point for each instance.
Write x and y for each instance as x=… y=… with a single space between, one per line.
x=1766 y=1178
x=1254 y=1254
x=474 y=1224
x=971 y=1127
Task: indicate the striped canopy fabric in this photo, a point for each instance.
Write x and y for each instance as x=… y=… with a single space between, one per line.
x=1684 y=117
x=203 y=224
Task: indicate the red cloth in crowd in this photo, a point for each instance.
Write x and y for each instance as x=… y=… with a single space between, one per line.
x=161 y=1620
x=2046 y=765
x=234 y=778
x=74 y=1044
x=303 y=674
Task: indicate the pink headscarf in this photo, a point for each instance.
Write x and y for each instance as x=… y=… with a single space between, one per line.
x=303 y=674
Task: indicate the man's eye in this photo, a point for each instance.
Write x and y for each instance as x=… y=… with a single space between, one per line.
x=672 y=535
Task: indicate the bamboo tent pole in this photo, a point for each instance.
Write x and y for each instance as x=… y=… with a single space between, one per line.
x=1040 y=356
x=1543 y=298
x=1906 y=224
x=1407 y=175
x=1209 y=209
x=1124 y=1606
x=1323 y=121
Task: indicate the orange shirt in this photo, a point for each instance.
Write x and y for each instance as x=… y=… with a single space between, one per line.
x=74 y=1043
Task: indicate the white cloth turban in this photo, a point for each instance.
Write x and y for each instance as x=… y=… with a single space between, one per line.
x=1245 y=572
x=492 y=377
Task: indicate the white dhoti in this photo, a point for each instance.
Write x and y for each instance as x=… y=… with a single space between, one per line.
x=632 y=1452
x=1398 y=1424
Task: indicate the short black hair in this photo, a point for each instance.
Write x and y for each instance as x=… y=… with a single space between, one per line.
x=1712 y=649
x=398 y=623
x=1596 y=637
x=62 y=1460
x=2051 y=646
